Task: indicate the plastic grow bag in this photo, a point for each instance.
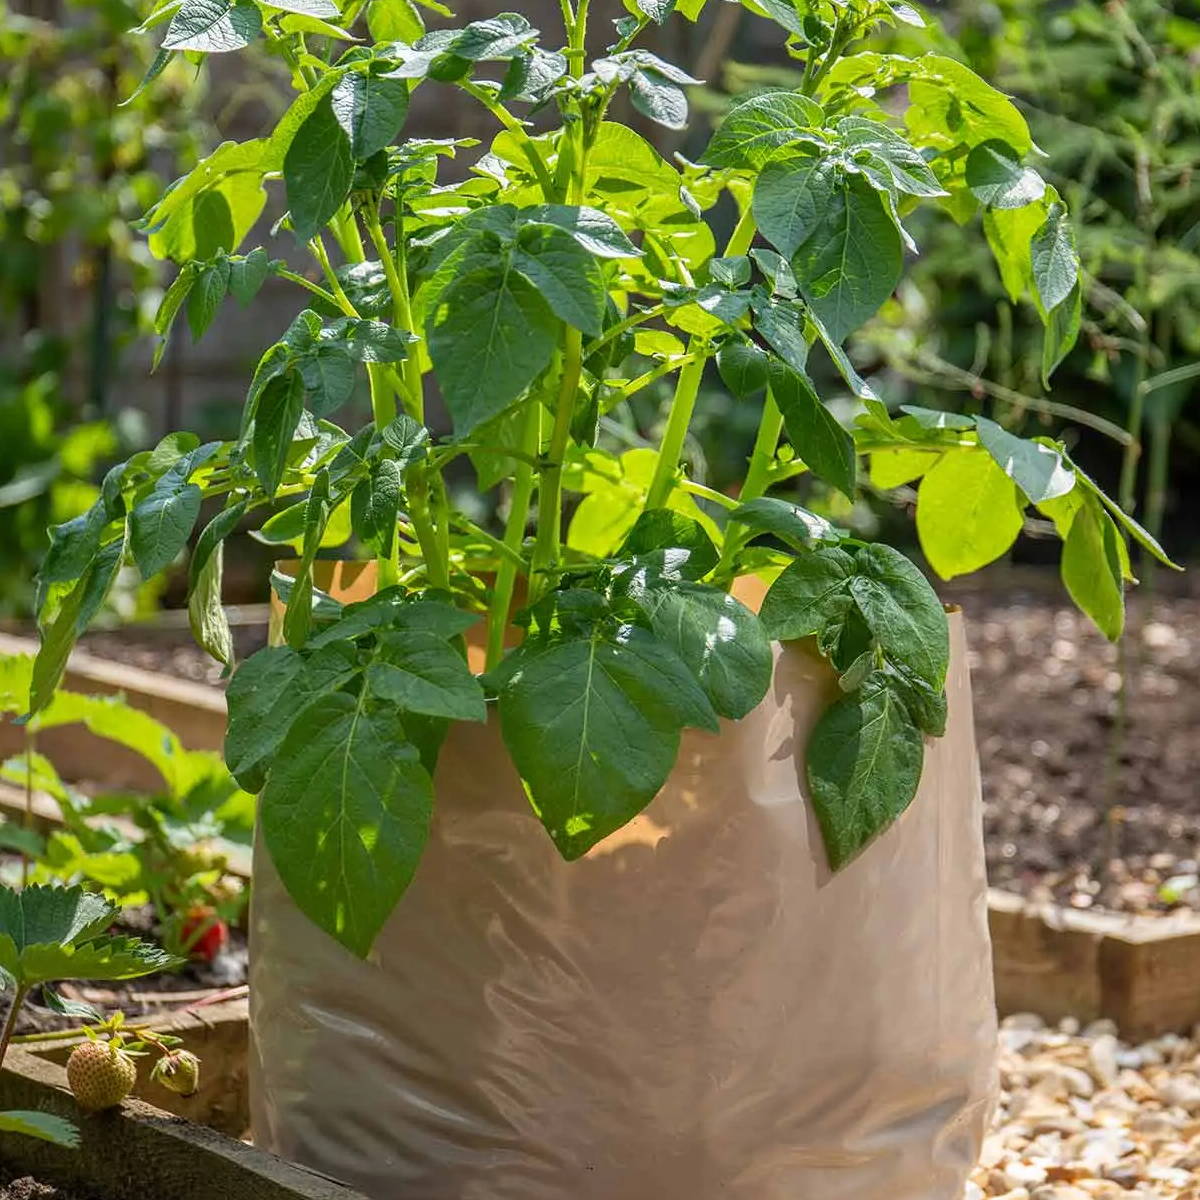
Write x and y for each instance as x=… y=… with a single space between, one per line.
x=697 y=1010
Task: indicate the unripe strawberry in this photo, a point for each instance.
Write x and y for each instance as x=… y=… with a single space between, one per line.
x=101 y=1075
x=178 y=1071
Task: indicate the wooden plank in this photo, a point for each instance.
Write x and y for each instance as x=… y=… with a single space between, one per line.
x=137 y=1151
x=1141 y=972
x=219 y=1035
x=1040 y=965
x=193 y=712
x=1151 y=976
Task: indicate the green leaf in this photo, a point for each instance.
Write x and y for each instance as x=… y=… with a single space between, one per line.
x=568 y=277
x=408 y=440
x=810 y=591
x=375 y=506
x=889 y=160
x=496 y=37
x=755 y=129
x=1091 y=567
x=674 y=544
x=718 y=639
x=423 y=673
x=1139 y=534
x=894 y=468
x=792 y=197
x=160 y=525
x=1055 y=263
x=493 y=336
x=275 y=421
x=261 y=702
x=864 y=765
x=949 y=106
x=658 y=98
x=391 y=609
x=248 y=273
x=997 y=178
x=206 y=613
x=1062 y=328
x=370 y=111
x=799 y=528
x=531 y=77
x=206 y=295
x=213 y=26
x=75 y=614
x=783 y=326
x=54 y=933
x=743 y=368
x=657 y=10
x=318 y=169
x=368 y=341
x=1037 y=469
x=44 y=1126
x=329 y=375
x=213 y=534
x=849 y=261
x=937 y=418
x=968 y=512
x=1009 y=233
x=394 y=21
x=595 y=231
x=307 y=8
x=902 y=611
x=926 y=704
x=345 y=815
x=592 y=723
x=73 y=545
x=814 y=432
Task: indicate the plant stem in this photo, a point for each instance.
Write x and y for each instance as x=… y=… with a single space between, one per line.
x=514 y=534
x=28 y=823
x=315 y=288
x=422 y=520
x=613 y=332
x=683 y=405
x=545 y=550
x=401 y=312
x=687 y=387
x=517 y=129
x=758 y=479
x=573 y=157
x=10 y=1022
x=317 y=248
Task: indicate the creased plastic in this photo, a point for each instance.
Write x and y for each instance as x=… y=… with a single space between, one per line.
x=697 y=1010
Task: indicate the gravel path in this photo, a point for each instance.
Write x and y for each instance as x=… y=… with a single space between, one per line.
x=1083 y=1116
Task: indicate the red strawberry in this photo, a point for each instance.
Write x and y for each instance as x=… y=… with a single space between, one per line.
x=203 y=934
x=101 y=1075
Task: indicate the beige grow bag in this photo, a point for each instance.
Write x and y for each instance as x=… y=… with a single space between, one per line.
x=697 y=1010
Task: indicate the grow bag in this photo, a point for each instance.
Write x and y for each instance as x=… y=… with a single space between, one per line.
x=696 y=1010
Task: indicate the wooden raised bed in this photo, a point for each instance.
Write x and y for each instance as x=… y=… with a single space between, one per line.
x=139 y=1152
x=1142 y=972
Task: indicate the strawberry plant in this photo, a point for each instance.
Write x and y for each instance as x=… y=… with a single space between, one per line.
x=167 y=848
x=520 y=292
x=51 y=934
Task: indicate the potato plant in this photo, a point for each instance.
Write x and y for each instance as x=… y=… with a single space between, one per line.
x=517 y=291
